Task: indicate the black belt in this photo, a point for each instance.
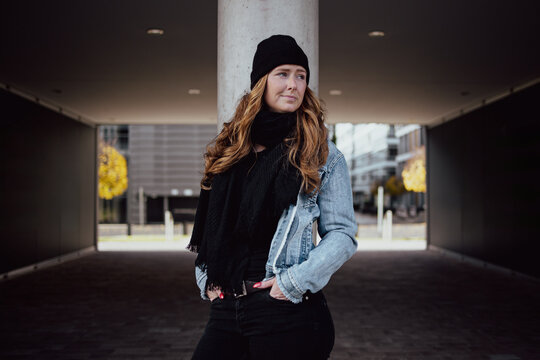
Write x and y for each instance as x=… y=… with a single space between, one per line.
x=247 y=288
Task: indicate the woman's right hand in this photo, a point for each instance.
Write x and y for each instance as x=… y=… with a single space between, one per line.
x=213 y=294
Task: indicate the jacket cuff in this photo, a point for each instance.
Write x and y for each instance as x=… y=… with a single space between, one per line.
x=289 y=286
x=204 y=296
x=201 y=277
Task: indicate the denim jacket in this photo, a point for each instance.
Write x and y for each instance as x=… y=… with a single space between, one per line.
x=294 y=260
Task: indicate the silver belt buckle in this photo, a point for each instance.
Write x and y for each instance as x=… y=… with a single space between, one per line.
x=244 y=291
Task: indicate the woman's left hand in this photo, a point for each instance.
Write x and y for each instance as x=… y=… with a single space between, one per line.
x=275 y=291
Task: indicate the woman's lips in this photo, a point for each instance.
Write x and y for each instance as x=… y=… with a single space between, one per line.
x=289 y=97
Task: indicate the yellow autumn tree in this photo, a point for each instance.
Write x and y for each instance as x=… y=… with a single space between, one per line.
x=414 y=173
x=394 y=186
x=112 y=172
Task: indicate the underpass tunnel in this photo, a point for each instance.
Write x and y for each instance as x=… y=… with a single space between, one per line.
x=49 y=185
x=50 y=196
x=477 y=279
x=482 y=168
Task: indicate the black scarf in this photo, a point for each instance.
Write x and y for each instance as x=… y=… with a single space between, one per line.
x=270 y=128
x=226 y=228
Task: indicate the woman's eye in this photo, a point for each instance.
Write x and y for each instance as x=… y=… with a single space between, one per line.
x=282 y=74
x=301 y=77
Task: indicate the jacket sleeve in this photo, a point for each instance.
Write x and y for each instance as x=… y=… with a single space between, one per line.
x=197 y=238
x=200 y=277
x=337 y=228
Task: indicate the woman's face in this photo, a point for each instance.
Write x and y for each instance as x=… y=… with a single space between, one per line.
x=285 y=88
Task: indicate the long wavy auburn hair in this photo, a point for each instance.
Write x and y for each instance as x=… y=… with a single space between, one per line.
x=307 y=149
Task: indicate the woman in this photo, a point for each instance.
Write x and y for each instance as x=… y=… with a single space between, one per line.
x=269 y=176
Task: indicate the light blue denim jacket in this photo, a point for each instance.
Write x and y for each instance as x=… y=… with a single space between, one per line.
x=294 y=260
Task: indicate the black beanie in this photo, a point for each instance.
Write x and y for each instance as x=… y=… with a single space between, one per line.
x=274 y=51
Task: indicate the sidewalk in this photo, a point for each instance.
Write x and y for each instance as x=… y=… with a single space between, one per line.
x=410 y=236
x=180 y=244
x=391 y=305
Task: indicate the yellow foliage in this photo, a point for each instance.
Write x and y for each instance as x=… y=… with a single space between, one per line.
x=394 y=186
x=112 y=172
x=414 y=173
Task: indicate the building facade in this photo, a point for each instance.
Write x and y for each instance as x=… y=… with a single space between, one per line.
x=376 y=153
x=412 y=142
x=165 y=166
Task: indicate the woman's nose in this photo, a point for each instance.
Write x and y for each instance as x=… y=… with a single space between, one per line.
x=291 y=82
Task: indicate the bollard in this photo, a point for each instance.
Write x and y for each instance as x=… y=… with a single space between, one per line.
x=380 y=208
x=169 y=226
x=387 y=226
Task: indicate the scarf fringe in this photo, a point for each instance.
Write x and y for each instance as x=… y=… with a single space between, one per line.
x=193 y=248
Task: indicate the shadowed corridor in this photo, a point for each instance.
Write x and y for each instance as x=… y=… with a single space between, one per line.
x=386 y=305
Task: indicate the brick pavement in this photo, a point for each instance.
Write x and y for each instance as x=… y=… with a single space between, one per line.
x=386 y=305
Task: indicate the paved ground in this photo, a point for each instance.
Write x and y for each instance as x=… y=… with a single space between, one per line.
x=399 y=231
x=386 y=305
x=180 y=244
x=405 y=236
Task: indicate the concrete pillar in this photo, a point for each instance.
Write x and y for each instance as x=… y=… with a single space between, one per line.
x=242 y=24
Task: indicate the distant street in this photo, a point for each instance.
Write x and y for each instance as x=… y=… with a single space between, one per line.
x=406 y=235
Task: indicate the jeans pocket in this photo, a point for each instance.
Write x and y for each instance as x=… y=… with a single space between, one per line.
x=216 y=300
x=279 y=301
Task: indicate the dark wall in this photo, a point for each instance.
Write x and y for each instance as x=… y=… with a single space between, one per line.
x=47 y=183
x=484 y=183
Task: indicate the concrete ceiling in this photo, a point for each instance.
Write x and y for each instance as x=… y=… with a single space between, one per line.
x=95 y=58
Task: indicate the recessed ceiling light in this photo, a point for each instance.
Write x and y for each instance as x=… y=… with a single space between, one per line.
x=376 y=34
x=155 y=31
x=335 y=92
x=194 y=91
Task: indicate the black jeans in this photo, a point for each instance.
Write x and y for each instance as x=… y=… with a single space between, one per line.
x=258 y=326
